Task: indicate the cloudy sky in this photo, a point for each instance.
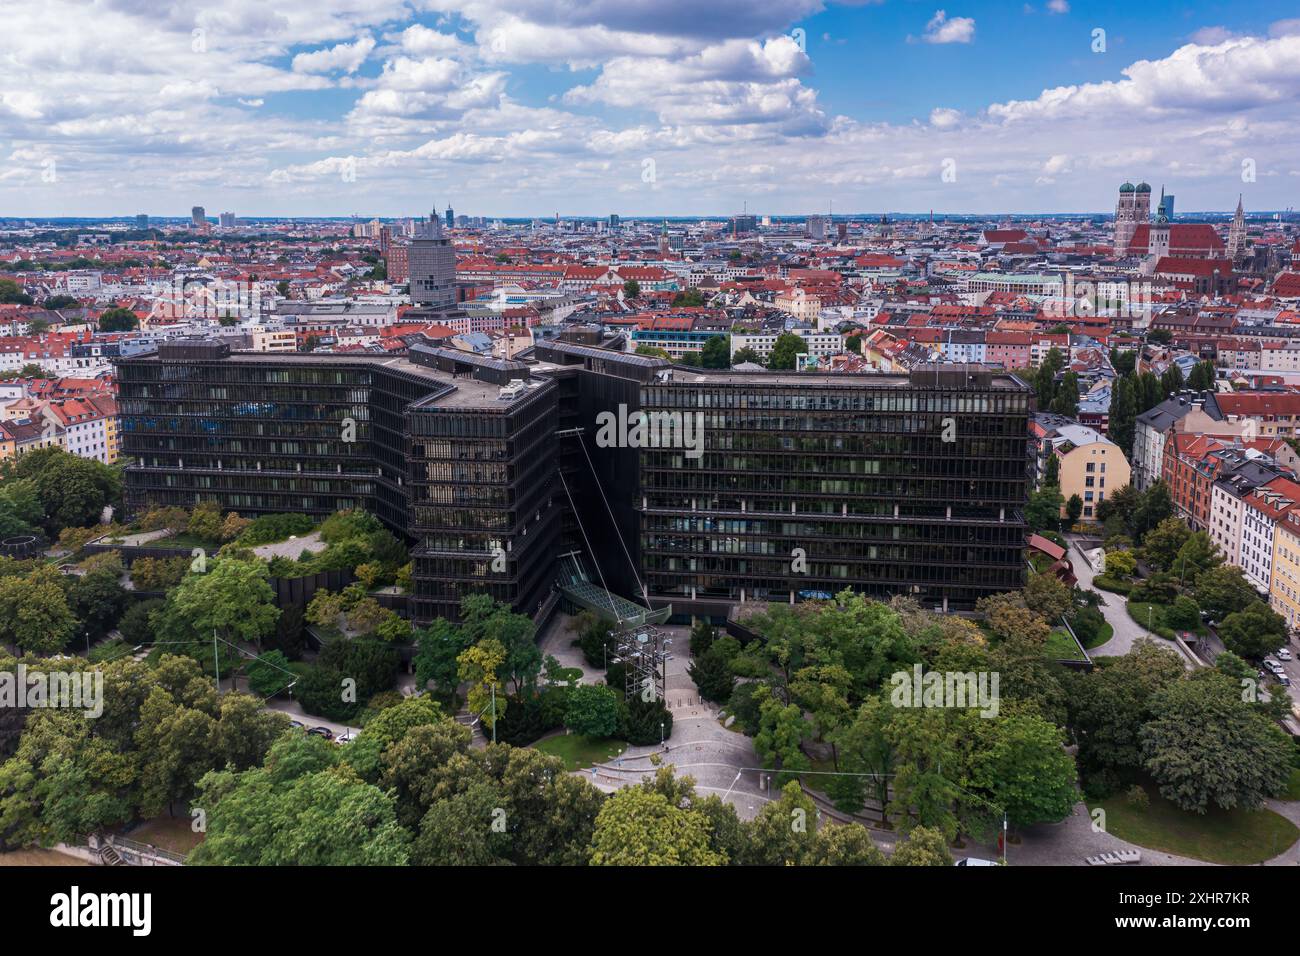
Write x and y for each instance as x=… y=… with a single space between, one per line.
x=642 y=107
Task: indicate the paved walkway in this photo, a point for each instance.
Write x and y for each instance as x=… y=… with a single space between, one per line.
x=1114 y=607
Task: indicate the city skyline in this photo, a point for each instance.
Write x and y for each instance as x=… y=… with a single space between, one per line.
x=661 y=110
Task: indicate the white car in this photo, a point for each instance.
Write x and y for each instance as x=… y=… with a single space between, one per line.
x=1283 y=654
x=1272 y=665
x=975 y=861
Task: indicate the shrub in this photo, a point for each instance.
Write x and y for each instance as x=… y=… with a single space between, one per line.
x=1183 y=613
x=158 y=574
x=1136 y=797
x=267 y=674
x=641 y=720
x=268 y=529
x=320 y=691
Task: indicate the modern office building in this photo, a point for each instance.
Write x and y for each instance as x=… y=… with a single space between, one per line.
x=746 y=487
x=446 y=451
x=431 y=264
x=142 y=221
x=198 y=217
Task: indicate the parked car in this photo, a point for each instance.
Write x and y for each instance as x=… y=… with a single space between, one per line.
x=297 y=724
x=975 y=861
x=346 y=737
x=321 y=732
x=1284 y=680
x=1282 y=654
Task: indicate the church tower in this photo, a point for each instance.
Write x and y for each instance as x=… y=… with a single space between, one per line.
x=1237 y=233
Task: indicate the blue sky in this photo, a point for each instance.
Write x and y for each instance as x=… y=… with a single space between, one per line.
x=670 y=107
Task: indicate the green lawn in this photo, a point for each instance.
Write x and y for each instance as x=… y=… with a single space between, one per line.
x=184 y=540
x=1114 y=585
x=1104 y=634
x=1232 y=838
x=1138 y=610
x=580 y=752
x=1061 y=646
x=1293 y=786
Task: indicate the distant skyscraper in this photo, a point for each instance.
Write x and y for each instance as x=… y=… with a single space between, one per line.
x=817 y=226
x=613 y=220
x=226 y=220
x=1166 y=207
x=142 y=221
x=431 y=261
x=198 y=217
x=450 y=218
x=743 y=224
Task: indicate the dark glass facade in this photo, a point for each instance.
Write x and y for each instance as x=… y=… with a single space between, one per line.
x=803 y=485
x=811 y=484
x=443 y=459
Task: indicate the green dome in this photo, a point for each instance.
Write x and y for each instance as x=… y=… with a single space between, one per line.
x=1126 y=188
x=1143 y=188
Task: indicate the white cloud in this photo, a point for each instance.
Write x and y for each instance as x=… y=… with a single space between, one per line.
x=347 y=57
x=942 y=29
x=942 y=117
x=1058 y=6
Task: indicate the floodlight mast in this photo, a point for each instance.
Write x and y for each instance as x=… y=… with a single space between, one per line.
x=643 y=651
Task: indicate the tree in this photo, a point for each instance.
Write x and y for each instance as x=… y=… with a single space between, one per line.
x=1171 y=380
x=746 y=354
x=117 y=320
x=34 y=612
x=1043 y=513
x=1162 y=544
x=1153 y=507
x=438 y=647
x=1020 y=761
x=846 y=844
x=479 y=665
x=325 y=818
x=924 y=846
x=632 y=289
x=1052 y=472
x=1197 y=555
x=1120 y=564
x=592 y=710
x=784 y=350
x=72 y=490
x=1123 y=414
x=783 y=832
x=1010 y=619
x=1073 y=510
x=386 y=728
x=1066 y=400
x=712 y=675
x=1046 y=595
x=1109 y=706
x=1254 y=632
x=158 y=574
x=638 y=827
x=716 y=352
x=269 y=674
x=12 y=294
x=1206 y=746
x=1223 y=590
x=781 y=730
x=98 y=599
x=1202 y=376
x=232 y=599
x=1183 y=614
